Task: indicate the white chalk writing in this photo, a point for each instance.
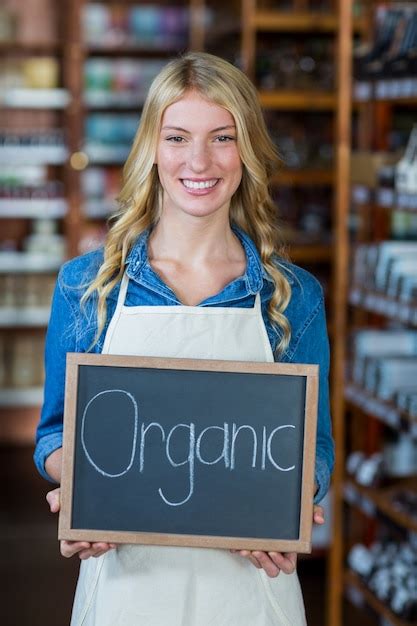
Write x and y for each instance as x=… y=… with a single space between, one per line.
x=229 y=437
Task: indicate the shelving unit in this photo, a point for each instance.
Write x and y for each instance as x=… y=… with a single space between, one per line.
x=32 y=111
x=363 y=420
x=261 y=19
x=350 y=579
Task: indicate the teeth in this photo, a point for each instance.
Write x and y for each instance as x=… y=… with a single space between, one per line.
x=202 y=185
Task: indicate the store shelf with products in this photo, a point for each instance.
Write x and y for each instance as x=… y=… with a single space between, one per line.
x=386 y=500
x=33 y=154
x=393 y=308
x=26 y=98
x=304 y=177
x=30 y=317
x=29 y=397
x=311 y=253
x=384 y=198
x=295 y=74
x=376 y=418
x=353 y=580
x=387 y=412
x=15 y=48
x=298 y=100
x=33 y=208
x=25 y=262
x=300 y=21
x=36 y=197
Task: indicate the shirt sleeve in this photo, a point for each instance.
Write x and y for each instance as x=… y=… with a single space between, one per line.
x=60 y=339
x=313 y=347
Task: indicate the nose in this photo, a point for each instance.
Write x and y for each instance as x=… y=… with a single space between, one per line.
x=199 y=157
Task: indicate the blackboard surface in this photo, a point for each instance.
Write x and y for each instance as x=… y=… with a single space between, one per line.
x=186 y=451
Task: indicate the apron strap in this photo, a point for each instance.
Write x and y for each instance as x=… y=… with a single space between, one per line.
x=122 y=291
x=258 y=305
x=120 y=302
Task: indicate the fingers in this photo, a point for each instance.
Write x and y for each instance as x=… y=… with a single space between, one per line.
x=250 y=556
x=69 y=548
x=318 y=514
x=96 y=550
x=267 y=564
x=53 y=499
x=84 y=549
x=271 y=562
x=285 y=561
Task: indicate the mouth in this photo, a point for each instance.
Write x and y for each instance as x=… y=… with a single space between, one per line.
x=199 y=185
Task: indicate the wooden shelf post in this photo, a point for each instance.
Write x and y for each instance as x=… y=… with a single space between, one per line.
x=339 y=302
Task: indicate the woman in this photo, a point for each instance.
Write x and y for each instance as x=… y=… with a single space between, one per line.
x=193 y=244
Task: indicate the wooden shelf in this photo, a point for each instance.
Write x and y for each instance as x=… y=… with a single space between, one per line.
x=33 y=208
x=412 y=101
x=383 y=410
x=370 y=499
x=299 y=22
x=119 y=101
x=375 y=302
x=99 y=209
x=23 y=262
x=384 y=198
x=314 y=253
x=25 y=397
x=301 y=178
x=107 y=154
x=33 y=155
x=33 y=317
x=298 y=100
x=395 y=200
x=129 y=51
x=351 y=579
x=16 y=48
x=34 y=98
x=400 y=101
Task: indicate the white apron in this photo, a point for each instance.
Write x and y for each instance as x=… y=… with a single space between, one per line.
x=175 y=586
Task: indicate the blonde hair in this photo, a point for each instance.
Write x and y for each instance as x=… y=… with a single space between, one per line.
x=251 y=207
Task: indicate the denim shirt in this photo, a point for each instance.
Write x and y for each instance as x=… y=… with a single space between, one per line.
x=72 y=328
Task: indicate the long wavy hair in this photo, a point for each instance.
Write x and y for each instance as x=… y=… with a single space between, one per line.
x=251 y=207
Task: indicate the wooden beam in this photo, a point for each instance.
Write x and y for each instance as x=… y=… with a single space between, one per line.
x=340 y=300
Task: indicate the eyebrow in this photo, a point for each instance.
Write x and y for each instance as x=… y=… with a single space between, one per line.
x=183 y=130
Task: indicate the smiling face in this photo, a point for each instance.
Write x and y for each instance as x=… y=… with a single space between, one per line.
x=197 y=157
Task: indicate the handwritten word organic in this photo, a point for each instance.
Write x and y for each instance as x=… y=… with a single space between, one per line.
x=230 y=435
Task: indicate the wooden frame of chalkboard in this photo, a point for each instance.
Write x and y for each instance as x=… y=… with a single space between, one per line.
x=257 y=494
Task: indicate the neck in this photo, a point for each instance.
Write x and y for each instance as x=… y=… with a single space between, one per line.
x=193 y=240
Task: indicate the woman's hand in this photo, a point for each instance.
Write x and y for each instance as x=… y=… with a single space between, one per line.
x=273 y=562
x=84 y=549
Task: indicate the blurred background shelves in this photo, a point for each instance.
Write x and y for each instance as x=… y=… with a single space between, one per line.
x=388 y=412
x=30 y=317
x=26 y=98
x=30 y=397
x=291 y=178
x=387 y=501
x=33 y=155
x=33 y=208
x=298 y=100
x=27 y=263
x=301 y=21
x=367 y=597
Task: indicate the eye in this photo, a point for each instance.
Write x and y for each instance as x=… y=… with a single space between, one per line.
x=175 y=139
x=224 y=138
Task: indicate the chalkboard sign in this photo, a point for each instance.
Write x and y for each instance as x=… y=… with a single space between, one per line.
x=189 y=452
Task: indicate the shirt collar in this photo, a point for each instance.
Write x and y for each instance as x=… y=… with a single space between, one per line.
x=254 y=275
